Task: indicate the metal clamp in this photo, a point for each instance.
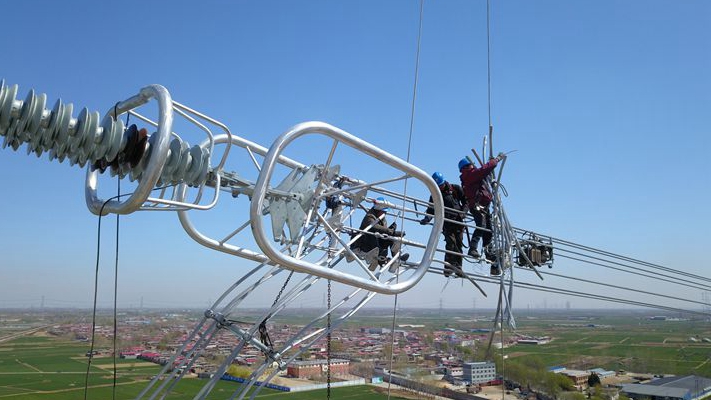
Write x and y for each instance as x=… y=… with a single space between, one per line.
x=156 y=158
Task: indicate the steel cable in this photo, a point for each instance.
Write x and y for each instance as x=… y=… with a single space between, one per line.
x=617 y=256
x=404 y=194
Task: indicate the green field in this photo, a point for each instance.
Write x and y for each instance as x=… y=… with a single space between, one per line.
x=631 y=344
x=48 y=367
x=44 y=368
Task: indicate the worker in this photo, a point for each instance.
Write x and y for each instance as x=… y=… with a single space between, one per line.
x=479 y=197
x=373 y=245
x=455 y=205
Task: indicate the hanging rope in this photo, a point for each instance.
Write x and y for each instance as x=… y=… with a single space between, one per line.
x=488 y=75
x=96 y=293
x=116 y=264
x=409 y=149
x=96 y=288
x=500 y=306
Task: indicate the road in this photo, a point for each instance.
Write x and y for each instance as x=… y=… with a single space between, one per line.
x=22 y=333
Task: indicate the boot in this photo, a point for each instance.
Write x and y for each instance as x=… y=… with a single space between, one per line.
x=473 y=253
x=349 y=257
x=402 y=259
x=373 y=265
x=447 y=270
x=371 y=258
x=489 y=254
x=395 y=247
x=495 y=270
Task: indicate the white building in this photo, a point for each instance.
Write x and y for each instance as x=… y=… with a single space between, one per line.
x=479 y=372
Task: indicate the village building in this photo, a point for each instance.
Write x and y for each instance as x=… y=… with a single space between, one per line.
x=689 y=387
x=315 y=368
x=479 y=372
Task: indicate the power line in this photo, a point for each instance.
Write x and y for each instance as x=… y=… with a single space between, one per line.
x=621 y=257
x=578 y=293
x=634 y=273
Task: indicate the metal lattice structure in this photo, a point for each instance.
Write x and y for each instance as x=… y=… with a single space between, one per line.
x=298 y=214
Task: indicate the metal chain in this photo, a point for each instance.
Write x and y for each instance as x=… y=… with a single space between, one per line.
x=263 y=334
x=328 y=343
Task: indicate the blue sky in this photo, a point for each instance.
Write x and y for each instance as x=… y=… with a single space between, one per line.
x=605 y=102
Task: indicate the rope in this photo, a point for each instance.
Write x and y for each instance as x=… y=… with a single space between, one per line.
x=96 y=289
x=491 y=153
x=409 y=149
x=96 y=293
x=116 y=263
x=501 y=322
x=488 y=75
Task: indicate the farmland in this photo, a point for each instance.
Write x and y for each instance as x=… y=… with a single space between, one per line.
x=43 y=368
x=37 y=365
x=632 y=343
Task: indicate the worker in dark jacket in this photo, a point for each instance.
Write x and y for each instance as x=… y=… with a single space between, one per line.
x=455 y=205
x=375 y=237
x=479 y=197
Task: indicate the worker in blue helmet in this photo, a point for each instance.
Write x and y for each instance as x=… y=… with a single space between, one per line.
x=479 y=197
x=455 y=206
x=373 y=244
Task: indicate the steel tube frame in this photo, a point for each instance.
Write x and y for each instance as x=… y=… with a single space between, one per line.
x=158 y=155
x=261 y=187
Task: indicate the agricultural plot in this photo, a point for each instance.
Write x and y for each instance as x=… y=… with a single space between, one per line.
x=34 y=365
x=639 y=345
x=40 y=368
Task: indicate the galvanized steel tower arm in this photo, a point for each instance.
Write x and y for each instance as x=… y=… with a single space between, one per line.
x=172 y=175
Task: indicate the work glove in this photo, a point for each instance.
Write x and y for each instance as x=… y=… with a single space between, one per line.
x=425 y=221
x=397 y=233
x=393 y=226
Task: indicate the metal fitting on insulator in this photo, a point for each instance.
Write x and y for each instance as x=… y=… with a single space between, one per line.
x=151 y=159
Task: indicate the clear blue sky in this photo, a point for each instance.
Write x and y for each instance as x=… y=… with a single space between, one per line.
x=606 y=102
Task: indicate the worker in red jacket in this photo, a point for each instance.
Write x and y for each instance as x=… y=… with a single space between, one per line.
x=479 y=197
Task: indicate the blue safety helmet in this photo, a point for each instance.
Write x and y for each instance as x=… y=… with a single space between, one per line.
x=464 y=162
x=438 y=178
x=380 y=204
